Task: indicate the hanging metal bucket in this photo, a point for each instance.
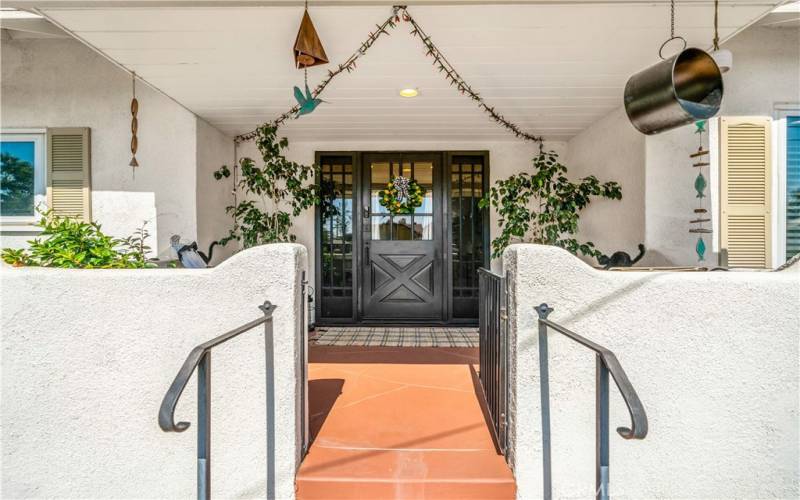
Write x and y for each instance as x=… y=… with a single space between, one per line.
x=682 y=89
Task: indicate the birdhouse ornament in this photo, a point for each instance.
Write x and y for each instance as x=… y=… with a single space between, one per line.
x=308 y=49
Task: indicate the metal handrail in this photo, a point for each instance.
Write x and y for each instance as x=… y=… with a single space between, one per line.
x=606 y=364
x=200 y=359
x=638 y=429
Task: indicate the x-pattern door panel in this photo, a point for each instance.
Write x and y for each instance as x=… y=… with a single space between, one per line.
x=402 y=267
x=410 y=277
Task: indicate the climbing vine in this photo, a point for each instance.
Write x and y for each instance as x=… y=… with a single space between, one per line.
x=276 y=192
x=544 y=206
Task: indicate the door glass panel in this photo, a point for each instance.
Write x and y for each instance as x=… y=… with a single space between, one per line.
x=466 y=189
x=418 y=226
x=402 y=227
x=423 y=174
x=381 y=227
x=336 y=233
x=423 y=227
x=379 y=173
x=406 y=170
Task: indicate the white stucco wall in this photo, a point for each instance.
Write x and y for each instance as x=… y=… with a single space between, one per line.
x=87 y=356
x=612 y=150
x=214 y=149
x=61 y=83
x=766 y=72
x=713 y=357
x=505 y=159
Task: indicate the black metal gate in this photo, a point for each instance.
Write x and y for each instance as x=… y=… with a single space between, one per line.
x=494 y=351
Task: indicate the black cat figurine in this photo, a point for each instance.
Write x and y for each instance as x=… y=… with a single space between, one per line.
x=620 y=259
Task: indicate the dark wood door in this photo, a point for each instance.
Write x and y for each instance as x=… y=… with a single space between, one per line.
x=401 y=256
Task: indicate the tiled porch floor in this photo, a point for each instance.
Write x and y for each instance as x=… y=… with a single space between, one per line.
x=399 y=423
x=409 y=336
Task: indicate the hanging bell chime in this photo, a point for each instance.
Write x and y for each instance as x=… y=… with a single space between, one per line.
x=308 y=49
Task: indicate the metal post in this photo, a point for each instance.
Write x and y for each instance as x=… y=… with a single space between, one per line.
x=601 y=472
x=204 y=428
x=544 y=389
x=269 y=351
x=303 y=348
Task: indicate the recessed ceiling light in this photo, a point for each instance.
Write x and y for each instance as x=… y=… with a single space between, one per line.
x=409 y=92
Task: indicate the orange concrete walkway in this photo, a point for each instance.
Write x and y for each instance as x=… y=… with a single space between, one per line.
x=399 y=423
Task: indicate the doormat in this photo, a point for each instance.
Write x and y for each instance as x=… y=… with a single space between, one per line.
x=396 y=337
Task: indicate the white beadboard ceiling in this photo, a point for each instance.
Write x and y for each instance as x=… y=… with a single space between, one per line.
x=552 y=68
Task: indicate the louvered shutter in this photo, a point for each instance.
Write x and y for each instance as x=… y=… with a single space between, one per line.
x=68 y=172
x=745 y=198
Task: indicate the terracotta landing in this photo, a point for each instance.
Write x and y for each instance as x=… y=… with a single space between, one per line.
x=399 y=423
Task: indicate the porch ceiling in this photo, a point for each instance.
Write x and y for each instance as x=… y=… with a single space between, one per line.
x=554 y=69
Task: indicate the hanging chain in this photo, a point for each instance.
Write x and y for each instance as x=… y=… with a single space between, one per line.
x=716 y=24
x=672 y=18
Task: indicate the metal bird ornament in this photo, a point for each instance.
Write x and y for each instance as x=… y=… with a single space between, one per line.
x=307 y=102
x=700 y=127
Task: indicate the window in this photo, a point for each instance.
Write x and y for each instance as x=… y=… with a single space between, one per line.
x=22 y=175
x=792 y=185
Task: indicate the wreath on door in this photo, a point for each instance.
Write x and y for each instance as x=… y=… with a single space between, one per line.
x=401 y=196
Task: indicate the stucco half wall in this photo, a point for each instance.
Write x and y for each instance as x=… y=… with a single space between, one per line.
x=87 y=356
x=713 y=357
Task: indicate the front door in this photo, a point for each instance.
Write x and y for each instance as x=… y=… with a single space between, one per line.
x=401 y=255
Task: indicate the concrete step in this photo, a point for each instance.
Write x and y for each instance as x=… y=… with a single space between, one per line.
x=346 y=473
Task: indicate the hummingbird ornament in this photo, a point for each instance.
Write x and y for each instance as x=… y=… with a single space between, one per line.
x=701 y=127
x=307 y=102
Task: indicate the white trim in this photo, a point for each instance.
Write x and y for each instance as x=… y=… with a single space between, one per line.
x=781 y=112
x=38 y=137
x=7 y=130
x=784 y=109
x=713 y=182
x=779 y=188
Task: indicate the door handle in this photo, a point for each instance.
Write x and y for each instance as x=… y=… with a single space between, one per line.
x=366 y=251
x=366 y=212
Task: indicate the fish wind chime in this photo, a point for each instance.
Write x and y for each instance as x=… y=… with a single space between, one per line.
x=700 y=161
x=308 y=51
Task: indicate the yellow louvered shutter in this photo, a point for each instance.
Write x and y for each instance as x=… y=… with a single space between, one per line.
x=745 y=198
x=68 y=172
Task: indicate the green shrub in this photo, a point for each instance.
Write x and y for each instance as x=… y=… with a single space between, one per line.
x=71 y=243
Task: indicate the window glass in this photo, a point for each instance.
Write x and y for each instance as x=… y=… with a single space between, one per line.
x=381 y=228
x=380 y=175
x=336 y=234
x=466 y=222
x=423 y=174
x=21 y=174
x=423 y=227
x=792 y=186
